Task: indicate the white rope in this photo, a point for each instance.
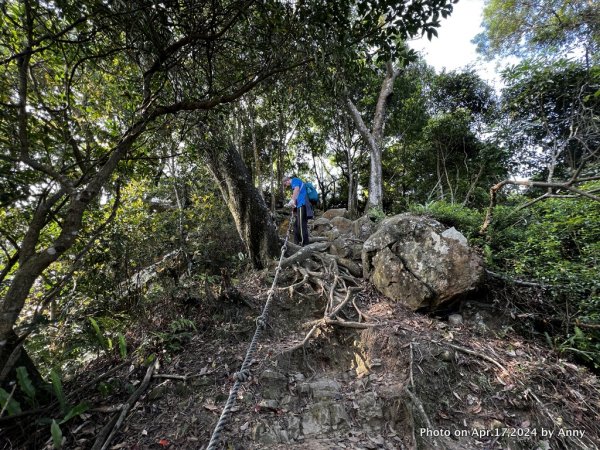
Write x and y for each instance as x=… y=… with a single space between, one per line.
x=243 y=374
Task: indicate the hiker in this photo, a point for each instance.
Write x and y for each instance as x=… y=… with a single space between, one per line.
x=302 y=209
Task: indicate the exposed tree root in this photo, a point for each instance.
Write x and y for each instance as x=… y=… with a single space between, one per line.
x=474 y=353
x=419 y=406
x=361 y=315
x=305 y=340
x=302 y=253
x=335 y=282
x=415 y=400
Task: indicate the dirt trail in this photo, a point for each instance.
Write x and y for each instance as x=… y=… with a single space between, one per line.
x=411 y=381
x=402 y=381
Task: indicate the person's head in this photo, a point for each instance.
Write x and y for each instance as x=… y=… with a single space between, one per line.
x=287 y=181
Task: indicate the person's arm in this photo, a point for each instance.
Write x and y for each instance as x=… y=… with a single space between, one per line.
x=295 y=194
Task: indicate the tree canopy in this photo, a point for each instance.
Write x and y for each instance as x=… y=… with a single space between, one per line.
x=549 y=28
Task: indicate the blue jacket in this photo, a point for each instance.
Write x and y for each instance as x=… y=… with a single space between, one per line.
x=301 y=200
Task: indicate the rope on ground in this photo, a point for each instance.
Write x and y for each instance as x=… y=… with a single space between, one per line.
x=244 y=373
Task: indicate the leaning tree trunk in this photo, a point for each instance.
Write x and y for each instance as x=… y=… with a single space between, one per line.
x=248 y=208
x=35 y=259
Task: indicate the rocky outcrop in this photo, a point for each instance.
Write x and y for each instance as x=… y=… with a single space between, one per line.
x=392 y=277
x=412 y=259
x=420 y=262
x=331 y=213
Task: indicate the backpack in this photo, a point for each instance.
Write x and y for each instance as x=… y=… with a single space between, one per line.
x=311 y=193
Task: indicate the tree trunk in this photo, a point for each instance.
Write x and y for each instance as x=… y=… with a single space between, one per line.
x=32 y=261
x=15 y=356
x=249 y=210
x=374 y=138
x=272 y=183
x=256 y=174
x=352 y=197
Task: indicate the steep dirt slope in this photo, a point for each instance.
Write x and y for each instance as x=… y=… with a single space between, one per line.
x=404 y=381
x=338 y=366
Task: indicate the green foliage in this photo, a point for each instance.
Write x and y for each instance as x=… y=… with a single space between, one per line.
x=549 y=28
x=102 y=341
x=57 y=436
x=122 y=346
x=121 y=387
x=182 y=325
x=466 y=90
x=454 y=155
x=464 y=219
x=75 y=411
x=376 y=214
x=557 y=243
x=25 y=384
x=553 y=116
x=67 y=411
x=181 y=331
x=9 y=404
x=58 y=389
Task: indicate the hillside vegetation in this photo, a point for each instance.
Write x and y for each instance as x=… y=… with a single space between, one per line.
x=142 y=151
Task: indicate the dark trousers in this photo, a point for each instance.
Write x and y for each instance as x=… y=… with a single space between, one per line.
x=301 y=226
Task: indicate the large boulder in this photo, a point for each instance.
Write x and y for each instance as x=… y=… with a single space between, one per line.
x=321 y=225
x=342 y=224
x=363 y=227
x=420 y=262
x=331 y=213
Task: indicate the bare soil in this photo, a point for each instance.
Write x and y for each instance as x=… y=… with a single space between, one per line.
x=479 y=385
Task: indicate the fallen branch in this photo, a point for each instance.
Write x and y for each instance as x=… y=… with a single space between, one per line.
x=568 y=185
x=109 y=431
x=421 y=410
x=516 y=280
x=474 y=353
x=182 y=377
x=8 y=400
x=592 y=326
x=17 y=417
x=106 y=409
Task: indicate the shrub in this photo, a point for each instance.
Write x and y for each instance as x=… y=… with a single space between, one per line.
x=557 y=243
